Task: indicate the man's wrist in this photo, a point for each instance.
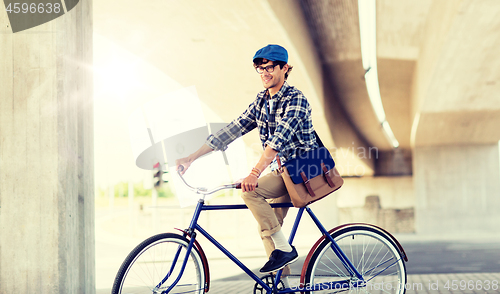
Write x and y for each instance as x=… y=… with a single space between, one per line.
x=252 y=174
x=255 y=172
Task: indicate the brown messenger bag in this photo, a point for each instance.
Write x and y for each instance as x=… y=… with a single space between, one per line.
x=311 y=176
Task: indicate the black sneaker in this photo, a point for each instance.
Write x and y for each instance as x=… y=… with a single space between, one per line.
x=279 y=259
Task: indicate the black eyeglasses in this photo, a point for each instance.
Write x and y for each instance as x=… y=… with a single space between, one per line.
x=269 y=69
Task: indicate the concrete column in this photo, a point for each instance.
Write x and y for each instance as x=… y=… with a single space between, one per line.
x=457 y=189
x=46 y=156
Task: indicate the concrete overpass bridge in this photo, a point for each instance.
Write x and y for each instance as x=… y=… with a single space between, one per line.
x=438 y=76
x=438 y=73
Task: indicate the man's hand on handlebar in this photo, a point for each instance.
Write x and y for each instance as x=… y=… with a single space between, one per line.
x=186 y=161
x=182 y=164
x=249 y=183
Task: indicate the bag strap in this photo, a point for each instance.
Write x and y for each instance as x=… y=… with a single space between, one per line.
x=307 y=184
x=267 y=109
x=318 y=140
x=326 y=174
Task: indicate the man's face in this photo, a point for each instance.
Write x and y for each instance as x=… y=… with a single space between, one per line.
x=275 y=79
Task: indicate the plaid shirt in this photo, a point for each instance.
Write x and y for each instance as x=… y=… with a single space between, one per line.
x=288 y=131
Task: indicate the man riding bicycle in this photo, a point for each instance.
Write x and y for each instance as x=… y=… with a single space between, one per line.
x=282 y=115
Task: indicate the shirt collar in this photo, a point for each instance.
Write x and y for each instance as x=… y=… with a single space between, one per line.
x=280 y=93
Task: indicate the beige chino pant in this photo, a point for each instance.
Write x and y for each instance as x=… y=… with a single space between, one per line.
x=271 y=189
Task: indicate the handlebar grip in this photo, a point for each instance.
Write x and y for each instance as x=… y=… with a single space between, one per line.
x=238 y=185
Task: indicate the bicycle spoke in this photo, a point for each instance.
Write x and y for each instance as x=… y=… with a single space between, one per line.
x=333 y=271
x=379 y=263
x=364 y=253
x=373 y=255
x=373 y=269
x=155 y=264
x=383 y=270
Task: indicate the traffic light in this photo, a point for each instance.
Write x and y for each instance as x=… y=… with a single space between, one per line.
x=158 y=176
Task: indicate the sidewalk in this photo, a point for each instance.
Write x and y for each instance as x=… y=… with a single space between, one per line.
x=442 y=283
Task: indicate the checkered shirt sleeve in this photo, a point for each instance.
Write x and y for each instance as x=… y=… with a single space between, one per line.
x=235 y=129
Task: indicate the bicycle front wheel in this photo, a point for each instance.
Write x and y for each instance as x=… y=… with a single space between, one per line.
x=371 y=251
x=154 y=265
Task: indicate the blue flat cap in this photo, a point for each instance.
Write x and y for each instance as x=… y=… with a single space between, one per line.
x=273 y=53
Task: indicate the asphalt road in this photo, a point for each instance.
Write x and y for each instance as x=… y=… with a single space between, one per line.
x=452 y=257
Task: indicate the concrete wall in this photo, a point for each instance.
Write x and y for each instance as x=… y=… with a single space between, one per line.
x=456 y=114
x=392 y=220
x=385 y=201
x=394 y=192
x=454 y=189
x=457 y=189
x=46 y=156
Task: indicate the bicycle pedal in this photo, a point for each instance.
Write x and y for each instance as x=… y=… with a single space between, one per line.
x=269 y=281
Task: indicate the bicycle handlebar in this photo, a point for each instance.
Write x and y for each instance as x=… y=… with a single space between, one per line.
x=204 y=191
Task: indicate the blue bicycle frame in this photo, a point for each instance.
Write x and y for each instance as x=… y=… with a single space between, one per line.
x=194 y=226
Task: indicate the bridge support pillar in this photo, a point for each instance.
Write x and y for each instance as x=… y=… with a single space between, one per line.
x=46 y=156
x=457 y=188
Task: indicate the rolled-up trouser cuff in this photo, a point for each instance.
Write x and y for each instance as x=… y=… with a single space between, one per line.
x=268 y=233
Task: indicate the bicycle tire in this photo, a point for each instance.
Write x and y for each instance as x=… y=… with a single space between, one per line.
x=149 y=262
x=370 y=250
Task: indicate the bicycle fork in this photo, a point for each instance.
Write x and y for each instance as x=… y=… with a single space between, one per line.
x=172 y=267
x=192 y=235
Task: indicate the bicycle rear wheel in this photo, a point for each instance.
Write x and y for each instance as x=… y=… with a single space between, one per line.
x=373 y=254
x=152 y=260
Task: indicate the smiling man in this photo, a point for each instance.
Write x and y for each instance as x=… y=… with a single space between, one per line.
x=282 y=115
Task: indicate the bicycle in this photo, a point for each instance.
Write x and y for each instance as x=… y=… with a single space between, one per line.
x=350 y=257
